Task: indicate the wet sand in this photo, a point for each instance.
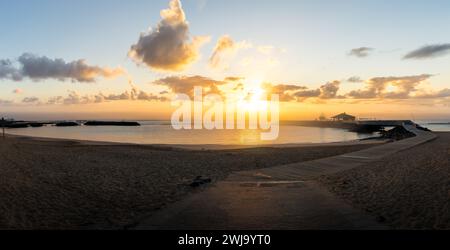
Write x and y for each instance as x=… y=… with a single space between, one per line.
x=63 y=184
x=409 y=190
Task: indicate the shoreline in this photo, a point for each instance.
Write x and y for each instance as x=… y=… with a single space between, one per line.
x=214 y=147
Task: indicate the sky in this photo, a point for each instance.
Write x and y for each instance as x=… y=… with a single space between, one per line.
x=81 y=59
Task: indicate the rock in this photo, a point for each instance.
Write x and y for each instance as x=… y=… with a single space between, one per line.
x=67 y=124
x=396 y=134
x=36 y=125
x=112 y=123
x=17 y=125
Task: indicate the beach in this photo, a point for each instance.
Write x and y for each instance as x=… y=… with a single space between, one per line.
x=408 y=190
x=68 y=184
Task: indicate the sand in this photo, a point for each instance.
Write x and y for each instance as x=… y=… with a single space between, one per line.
x=62 y=184
x=409 y=190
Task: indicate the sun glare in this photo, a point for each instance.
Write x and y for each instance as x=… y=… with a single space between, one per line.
x=253 y=97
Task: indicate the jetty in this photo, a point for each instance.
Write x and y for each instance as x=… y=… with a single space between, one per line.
x=351 y=123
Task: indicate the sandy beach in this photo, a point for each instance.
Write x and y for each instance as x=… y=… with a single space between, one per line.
x=63 y=184
x=409 y=190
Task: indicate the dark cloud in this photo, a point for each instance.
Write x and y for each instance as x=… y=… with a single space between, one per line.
x=8 y=71
x=429 y=51
x=39 y=68
x=168 y=47
x=361 y=52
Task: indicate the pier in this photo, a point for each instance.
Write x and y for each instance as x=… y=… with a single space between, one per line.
x=355 y=125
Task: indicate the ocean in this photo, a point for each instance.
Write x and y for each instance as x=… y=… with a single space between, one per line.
x=160 y=132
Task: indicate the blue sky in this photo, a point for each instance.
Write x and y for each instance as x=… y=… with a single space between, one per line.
x=311 y=39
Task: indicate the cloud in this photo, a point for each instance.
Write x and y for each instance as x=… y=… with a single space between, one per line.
x=361 y=52
x=354 y=79
x=168 y=47
x=31 y=100
x=429 y=51
x=234 y=79
x=326 y=91
x=74 y=98
x=224 y=50
x=308 y=93
x=55 y=100
x=39 y=68
x=186 y=84
x=378 y=87
x=8 y=71
x=444 y=93
x=286 y=92
x=134 y=94
x=329 y=90
x=297 y=93
x=5 y=102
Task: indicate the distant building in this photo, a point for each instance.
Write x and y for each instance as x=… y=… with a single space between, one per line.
x=344 y=117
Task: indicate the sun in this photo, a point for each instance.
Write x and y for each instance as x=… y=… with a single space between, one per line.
x=252 y=98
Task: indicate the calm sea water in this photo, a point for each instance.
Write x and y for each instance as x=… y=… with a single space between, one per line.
x=156 y=132
x=152 y=132
x=436 y=125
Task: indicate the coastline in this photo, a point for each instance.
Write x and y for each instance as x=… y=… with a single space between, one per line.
x=216 y=147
